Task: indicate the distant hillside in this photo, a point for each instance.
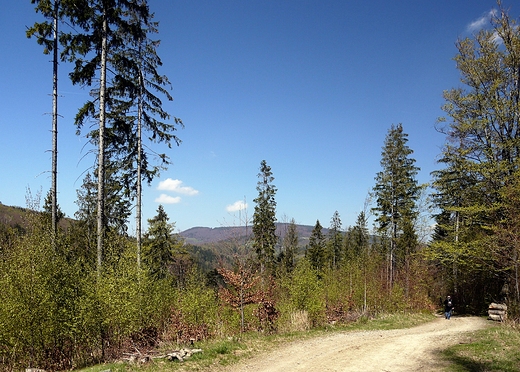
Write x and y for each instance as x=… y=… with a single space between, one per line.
x=17 y=217
x=13 y=216
x=205 y=235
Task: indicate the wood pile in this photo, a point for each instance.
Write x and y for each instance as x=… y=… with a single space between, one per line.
x=497 y=312
x=176 y=355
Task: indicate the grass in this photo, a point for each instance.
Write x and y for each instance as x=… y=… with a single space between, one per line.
x=217 y=353
x=495 y=348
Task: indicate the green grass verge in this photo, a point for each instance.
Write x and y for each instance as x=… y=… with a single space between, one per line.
x=496 y=348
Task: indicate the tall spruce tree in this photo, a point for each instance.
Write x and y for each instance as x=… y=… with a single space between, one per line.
x=360 y=237
x=141 y=109
x=264 y=219
x=100 y=57
x=335 y=241
x=316 y=249
x=116 y=214
x=161 y=246
x=396 y=192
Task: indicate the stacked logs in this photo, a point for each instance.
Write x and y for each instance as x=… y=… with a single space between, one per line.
x=497 y=312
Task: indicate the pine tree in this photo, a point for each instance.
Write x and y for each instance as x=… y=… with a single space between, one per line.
x=118 y=206
x=396 y=192
x=264 y=219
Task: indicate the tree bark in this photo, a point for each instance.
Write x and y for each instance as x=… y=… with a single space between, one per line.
x=54 y=186
x=139 y=160
x=101 y=151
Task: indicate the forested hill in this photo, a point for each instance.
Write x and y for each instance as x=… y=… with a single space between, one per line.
x=16 y=217
x=12 y=216
x=204 y=235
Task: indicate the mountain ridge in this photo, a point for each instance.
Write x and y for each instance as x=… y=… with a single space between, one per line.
x=206 y=235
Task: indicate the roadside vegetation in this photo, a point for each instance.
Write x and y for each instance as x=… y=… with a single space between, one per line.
x=226 y=352
x=495 y=348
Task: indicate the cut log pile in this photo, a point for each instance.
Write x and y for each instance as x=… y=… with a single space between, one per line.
x=497 y=312
x=176 y=355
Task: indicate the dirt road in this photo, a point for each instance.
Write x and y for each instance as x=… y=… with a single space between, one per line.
x=413 y=349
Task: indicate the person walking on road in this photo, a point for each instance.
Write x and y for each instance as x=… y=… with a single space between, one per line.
x=448 y=307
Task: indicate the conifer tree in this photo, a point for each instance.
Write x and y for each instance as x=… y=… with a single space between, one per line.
x=335 y=241
x=396 y=192
x=360 y=235
x=161 y=245
x=99 y=56
x=48 y=208
x=316 y=250
x=289 y=246
x=139 y=111
x=264 y=219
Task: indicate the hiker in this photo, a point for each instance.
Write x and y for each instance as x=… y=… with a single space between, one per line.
x=448 y=307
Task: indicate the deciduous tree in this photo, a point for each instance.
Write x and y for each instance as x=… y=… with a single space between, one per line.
x=481 y=156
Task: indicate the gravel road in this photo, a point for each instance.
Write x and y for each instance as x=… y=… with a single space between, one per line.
x=412 y=349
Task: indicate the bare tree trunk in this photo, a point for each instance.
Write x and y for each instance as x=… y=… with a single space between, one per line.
x=54 y=187
x=101 y=152
x=139 y=159
x=455 y=264
x=517 y=286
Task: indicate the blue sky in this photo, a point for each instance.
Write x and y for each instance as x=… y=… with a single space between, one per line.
x=312 y=87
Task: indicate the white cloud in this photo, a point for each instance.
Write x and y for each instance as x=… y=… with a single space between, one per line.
x=167 y=199
x=236 y=206
x=176 y=186
x=480 y=23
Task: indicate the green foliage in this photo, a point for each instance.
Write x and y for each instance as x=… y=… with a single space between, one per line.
x=306 y=292
x=264 y=218
x=315 y=253
x=479 y=162
x=161 y=245
x=199 y=303
x=335 y=241
x=47 y=209
x=37 y=303
x=396 y=192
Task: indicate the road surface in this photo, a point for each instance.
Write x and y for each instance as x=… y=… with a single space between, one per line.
x=412 y=349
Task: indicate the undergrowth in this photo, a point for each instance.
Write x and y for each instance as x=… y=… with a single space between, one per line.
x=229 y=351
